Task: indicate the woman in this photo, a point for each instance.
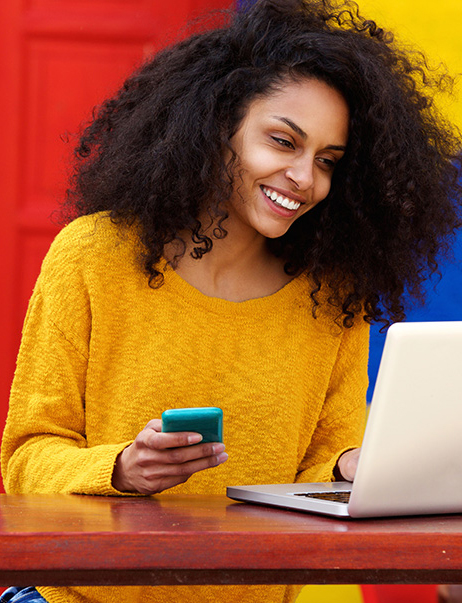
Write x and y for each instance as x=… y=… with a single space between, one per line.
x=246 y=205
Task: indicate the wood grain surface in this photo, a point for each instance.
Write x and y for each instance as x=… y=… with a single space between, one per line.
x=77 y=540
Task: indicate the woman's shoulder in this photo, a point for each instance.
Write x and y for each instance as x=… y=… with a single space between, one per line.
x=92 y=237
x=90 y=245
x=94 y=230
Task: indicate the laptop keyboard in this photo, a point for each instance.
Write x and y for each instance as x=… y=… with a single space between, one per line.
x=340 y=496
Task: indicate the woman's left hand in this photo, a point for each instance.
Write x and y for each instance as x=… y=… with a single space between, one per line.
x=348 y=463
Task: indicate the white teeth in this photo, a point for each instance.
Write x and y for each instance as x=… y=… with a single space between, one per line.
x=280 y=200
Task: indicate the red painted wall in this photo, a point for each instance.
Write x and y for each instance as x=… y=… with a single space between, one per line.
x=59 y=58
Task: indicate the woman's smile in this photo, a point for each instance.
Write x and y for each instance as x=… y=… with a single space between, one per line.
x=281 y=200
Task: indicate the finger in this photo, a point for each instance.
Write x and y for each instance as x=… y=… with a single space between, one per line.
x=155 y=424
x=155 y=457
x=348 y=463
x=179 y=456
x=161 y=441
x=184 y=469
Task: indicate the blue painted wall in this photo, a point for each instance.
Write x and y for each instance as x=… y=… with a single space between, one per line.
x=444 y=302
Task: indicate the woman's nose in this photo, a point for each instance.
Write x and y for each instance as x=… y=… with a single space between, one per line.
x=301 y=174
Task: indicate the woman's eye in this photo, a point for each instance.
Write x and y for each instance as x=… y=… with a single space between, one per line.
x=283 y=142
x=328 y=163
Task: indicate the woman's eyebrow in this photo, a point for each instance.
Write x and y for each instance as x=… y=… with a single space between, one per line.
x=303 y=134
x=292 y=125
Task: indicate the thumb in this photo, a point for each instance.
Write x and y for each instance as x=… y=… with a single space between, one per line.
x=348 y=463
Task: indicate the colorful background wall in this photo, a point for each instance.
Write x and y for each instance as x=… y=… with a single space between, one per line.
x=58 y=59
x=435 y=28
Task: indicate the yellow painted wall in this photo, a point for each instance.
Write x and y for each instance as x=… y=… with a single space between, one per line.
x=434 y=26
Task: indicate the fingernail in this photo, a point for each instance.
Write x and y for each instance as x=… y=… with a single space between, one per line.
x=194 y=439
x=221 y=458
x=217 y=448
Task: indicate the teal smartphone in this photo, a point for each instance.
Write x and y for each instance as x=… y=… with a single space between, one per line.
x=208 y=421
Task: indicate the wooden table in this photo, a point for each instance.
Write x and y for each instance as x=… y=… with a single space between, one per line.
x=84 y=540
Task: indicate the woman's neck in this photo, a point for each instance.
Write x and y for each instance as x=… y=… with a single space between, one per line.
x=239 y=267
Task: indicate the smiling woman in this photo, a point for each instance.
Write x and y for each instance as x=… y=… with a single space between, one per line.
x=161 y=154
x=283 y=156
x=250 y=200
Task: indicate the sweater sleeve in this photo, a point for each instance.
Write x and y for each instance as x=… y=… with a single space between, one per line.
x=342 y=420
x=44 y=446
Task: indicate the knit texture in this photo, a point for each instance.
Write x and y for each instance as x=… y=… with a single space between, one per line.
x=103 y=353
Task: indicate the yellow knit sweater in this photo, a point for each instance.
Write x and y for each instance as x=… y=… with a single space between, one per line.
x=103 y=353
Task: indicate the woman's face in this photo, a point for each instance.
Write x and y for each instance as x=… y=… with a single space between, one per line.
x=288 y=145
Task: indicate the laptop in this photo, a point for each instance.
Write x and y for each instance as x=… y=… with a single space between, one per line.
x=411 y=457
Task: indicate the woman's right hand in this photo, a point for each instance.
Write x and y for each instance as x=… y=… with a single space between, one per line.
x=157 y=461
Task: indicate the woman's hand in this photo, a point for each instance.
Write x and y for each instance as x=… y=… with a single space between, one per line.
x=348 y=463
x=157 y=461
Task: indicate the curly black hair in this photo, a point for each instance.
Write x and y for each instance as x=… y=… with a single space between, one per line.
x=154 y=153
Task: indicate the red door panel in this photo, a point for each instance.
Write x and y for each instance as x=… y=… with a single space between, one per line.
x=58 y=59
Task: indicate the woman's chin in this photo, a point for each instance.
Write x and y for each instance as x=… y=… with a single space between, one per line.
x=273 y=231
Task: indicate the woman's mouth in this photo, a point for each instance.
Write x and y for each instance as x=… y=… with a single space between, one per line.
x=280 y=199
